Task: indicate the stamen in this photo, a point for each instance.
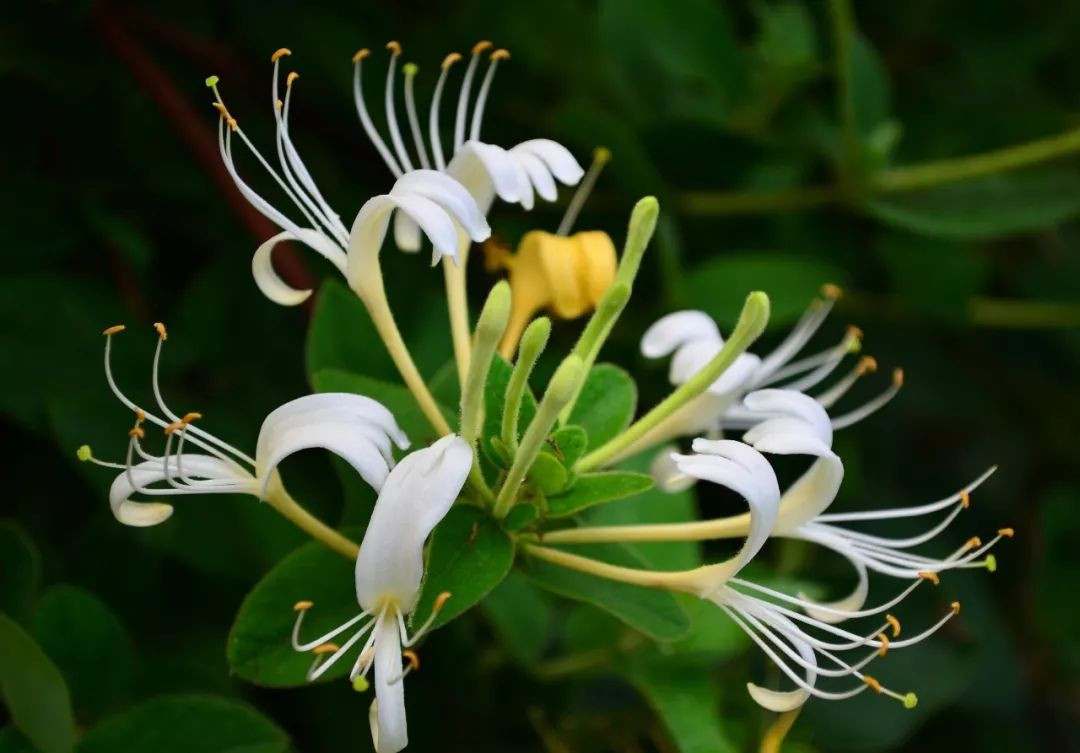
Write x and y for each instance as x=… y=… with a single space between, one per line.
x=831 y=291
x=466 y=90
x=481 y=98
x=360 y=684
x=973 y=543
x=433 y=116
x=965 y=499
x=990 y=563
x=365 y=117
x=601 y=156
x=115 y=329
x=1006 y=532
x=391 y=108
x=895 y=624
x=279 y=54
x=440 y=601
x=160 y=329
x=189 y=417
x=871 y=406
x=413 y=659
x=884 y=644
x=866 y=365
x=137 y=432
x=932 y=577
x=293 y=75
x=303 y=606
x=874 y=684
x=955 y=607
x=410 y=70
x=360 y=55
x=84 y=453
x=326 y=648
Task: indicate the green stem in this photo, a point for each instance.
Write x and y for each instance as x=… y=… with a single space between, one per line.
x=1012 y=314
x=765 y=202
x=843 y=33
x=561 y=389
x=489 y=329
x=533 y=342
x=751 y=324
x=283 y=502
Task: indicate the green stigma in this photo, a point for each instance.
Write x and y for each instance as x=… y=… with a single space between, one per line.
x=360 y=684
x=911 y=701
x=83 y=453
x=410 y=69
x=212 y=81
x=991 y=563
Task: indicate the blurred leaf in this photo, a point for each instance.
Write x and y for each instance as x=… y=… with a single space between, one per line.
x=569 y=444
x=259 y=648
x=653 y=612
x=468 y=556
x=786 y=37
x=20 y=570
x=341 y=336
x=606 y=404
x=89 y=645
x=939 y=277
x=686 y=700
x=871 y=90
x=13 y=741
x=187 y=724
x=1058 y=574
x=548 y=473
x=34 y=691
x=992 y=207
x=396 y=397
x=714 y=634
x=792 y=281
x=521 y=615
x=597 y=488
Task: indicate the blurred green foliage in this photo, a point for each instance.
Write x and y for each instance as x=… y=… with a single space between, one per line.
x=781 y=159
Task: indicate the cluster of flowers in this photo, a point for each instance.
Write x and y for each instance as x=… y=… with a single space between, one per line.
x=718 y=387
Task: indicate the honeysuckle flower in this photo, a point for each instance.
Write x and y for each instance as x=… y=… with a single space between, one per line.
x=430 y=200
x=389 y=569
x=693 y=339
x=358 y=429
x=798 y=643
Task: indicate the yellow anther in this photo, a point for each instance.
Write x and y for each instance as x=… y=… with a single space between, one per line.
x=481 y=46
x=139 y=416
x=854 y=332
x=160 y=329
x=303 y=606
x=450 y=59
x=360 y=55
x=973 y=543
x=360 y=684
x=874 y=684
x=394 y=47
x=231 y=122
x=932 y=577
x=84 y=453
x=1006 y=532
x=114 y=329
x=898 y=377
x=136 y=432
x=990 y=563
x=279 y=105
x=866 y=365
x=965 y=499
x=173 y=427
x=279 y=54
x=955 y=607
x=293 y=75
x=884 y=644
x=440 y=602
x=601 y=155
x=500 y=54
x=212 y=81
x=221 y=109
x=326 y=648
x=831 y=291
x=911 y=701
x=189 y=417
x=894 y=624
x=412 y=658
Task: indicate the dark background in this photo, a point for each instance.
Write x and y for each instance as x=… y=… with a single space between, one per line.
x=115 y=209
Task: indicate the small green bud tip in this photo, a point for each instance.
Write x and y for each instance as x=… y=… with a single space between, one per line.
x=410 y=69
x=360 y=684
x=645 y=214
x=212 y=81
x=535 y=338
x=564 y=383
x=991 y=563
x=911 y=701
x=83 y=453
x=496 y=311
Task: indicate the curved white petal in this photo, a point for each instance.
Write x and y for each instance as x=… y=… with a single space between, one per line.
x=415 y=497
x=794 y=404
x=676 y=329
x=486 y=170
x=354 y=427
x=406 y=233
x=538 y=173
x=389 y=729
x=665 y=472
x=557 y=157
x=149 y=472
x=451 y=195
x=853 y=602
x=267 y=278
x=781 y=701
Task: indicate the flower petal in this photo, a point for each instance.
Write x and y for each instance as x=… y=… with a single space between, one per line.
x=450 y=195
x=487 y=171
x=793 y=404
x=676 y=329
x=389 y=727
x=354 y=427
x=415 y=497
x=406 y=233
x=149 y=472
x=539 y=175
x=557 y=157
x=271 y=285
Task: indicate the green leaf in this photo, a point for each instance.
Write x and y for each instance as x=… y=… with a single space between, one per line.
x=569 y=444
x=650 y=611
x=34 y=691
x=871 y=90
x=548 y=473
x=992 y=207
x=20 y=570
x=396 y=397
x=521 y=615
x=187 y=724
x=520 y=515
x=597 y=488
x=792 y=281
x=687 y=702
x=341 y=336
x=468 y=556
x=89 y=645
x=13 y=741
x=606 y=404
x=259 y=648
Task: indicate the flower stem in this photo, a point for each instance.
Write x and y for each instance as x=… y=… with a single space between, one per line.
x=532 y=345
x=560 y=390
x=700 y=579
x=701 y=530
x=458 y=304
x=283 y=502
x=751 y=324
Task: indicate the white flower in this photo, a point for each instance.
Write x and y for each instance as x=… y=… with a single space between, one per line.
x=416 y=496
x=693 y=339
x=357 y=428
x=428 y=199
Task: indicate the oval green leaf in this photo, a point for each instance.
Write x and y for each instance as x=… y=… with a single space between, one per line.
x=34 y=691
x=597 y=488
x=606 y=404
